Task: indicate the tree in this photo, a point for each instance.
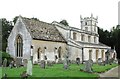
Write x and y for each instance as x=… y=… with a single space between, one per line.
x=6 y=29
x=111 y=38
x=15 y=19
x=116 y=39
x=64 y=22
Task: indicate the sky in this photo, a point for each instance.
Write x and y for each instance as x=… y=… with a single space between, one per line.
x=57 y=10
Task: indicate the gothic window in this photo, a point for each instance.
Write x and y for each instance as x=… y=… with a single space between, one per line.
x=74 y=36
x=39 y=52
x=19 y=46
x=89 y=39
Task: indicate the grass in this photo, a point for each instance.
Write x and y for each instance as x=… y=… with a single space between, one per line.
x=100 y=69
x=57 y=71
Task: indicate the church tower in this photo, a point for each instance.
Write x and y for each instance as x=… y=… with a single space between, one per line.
x=89 y=24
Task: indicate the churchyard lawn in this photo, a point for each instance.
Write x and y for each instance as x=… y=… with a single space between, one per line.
x=57 y=70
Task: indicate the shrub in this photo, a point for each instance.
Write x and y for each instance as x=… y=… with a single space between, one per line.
x=7 y=56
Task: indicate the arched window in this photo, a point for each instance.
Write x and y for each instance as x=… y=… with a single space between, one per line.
x=19 y=46
x=38 y=52
x=85 y=23
x=59 y=52
x=82 y=37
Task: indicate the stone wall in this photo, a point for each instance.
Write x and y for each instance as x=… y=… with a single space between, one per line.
x=48 y=49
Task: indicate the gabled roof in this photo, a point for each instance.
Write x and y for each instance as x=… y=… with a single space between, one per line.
x=42 y=31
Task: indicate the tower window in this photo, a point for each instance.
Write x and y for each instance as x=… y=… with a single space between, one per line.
x=89 y=39
x=85 y=23
x=82 y=37
x=74 y=36
x=86 y=28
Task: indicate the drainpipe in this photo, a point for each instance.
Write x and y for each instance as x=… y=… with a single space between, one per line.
x=82 y=55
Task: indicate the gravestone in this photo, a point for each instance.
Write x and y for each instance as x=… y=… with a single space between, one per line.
x=115 y=61
x=25 y=62
x=18 y=62
x=88 y=66
x=29 y=67
x=78 y=61
x=49 y=63
x=107 y=54
x=4 y=76
x=99 y=61
x=59 y=61
x=65 y=62
x=111 y=61
x=42 y=64
x=5 y=62
x=24 y=75
x=11 y=65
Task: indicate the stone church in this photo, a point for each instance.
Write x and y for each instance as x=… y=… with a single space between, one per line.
x=39 y=40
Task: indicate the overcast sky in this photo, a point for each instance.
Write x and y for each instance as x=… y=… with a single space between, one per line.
x=57 y=10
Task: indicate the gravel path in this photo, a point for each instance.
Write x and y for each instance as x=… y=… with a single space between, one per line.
x=113 y=73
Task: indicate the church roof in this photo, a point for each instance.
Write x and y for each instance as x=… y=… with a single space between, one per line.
x=43 y=31
x=86 y=43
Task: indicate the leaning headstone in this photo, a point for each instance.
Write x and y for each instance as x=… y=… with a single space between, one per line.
x=42 y=64
x=29 y=67
x=78 y=61
x=5 y=62
x=88 y=66
x=25 y=62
